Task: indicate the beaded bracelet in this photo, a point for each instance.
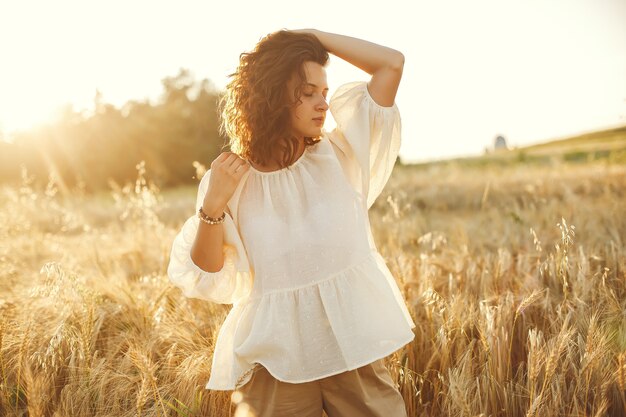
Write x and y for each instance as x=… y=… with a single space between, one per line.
x=210 y=220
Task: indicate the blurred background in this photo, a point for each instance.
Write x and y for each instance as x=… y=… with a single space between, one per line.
x=503 y=221
x=88 y=89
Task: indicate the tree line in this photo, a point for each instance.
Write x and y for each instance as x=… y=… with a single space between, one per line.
x=106 y=145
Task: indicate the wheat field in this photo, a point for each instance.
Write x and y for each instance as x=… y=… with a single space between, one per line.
x=515 y=277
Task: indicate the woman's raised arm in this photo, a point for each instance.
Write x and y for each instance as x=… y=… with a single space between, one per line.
x=382 y=63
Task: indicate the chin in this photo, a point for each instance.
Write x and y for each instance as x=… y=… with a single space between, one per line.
x=312 y=133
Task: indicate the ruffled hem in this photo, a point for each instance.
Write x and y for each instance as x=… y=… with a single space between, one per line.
x=341 y=323
x=213 y=386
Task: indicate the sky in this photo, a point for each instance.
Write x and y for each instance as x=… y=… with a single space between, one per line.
x=529 y=70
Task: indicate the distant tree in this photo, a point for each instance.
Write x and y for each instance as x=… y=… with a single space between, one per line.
x=107 y=143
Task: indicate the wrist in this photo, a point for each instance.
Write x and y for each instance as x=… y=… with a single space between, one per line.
x=211 y=220
x=212 y=210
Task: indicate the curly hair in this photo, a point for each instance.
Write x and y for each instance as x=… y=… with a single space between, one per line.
x=255 y=106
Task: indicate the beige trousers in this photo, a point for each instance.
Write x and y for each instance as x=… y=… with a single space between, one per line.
x=368 y=391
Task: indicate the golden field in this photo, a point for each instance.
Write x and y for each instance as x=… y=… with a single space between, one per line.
x=515 y=276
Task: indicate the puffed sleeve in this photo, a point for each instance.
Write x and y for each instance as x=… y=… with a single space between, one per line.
x=226 y=286
x=366 y=139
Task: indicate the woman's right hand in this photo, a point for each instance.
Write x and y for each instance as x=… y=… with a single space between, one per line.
x=226 y=172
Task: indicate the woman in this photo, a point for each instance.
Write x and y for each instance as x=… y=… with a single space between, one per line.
x=283 y=233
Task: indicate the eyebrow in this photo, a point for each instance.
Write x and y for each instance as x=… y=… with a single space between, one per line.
x=315 y=86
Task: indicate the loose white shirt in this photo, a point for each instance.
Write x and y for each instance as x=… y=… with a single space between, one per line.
x=312 y=297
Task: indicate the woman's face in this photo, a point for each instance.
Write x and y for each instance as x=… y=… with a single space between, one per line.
x=308 y=115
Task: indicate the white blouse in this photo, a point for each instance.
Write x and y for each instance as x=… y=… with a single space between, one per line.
x=311 y=295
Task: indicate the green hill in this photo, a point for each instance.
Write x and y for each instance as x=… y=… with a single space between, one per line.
x=607 y=145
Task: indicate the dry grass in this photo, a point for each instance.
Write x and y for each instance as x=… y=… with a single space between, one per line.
x=515 y=278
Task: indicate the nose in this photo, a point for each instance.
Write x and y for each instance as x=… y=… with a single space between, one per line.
x=322 y=105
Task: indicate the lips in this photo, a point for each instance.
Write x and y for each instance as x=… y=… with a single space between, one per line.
x=321 y=119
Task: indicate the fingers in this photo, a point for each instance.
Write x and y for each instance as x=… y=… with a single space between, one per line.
x=231 y=163
x=218 y=163
x=236 y=165
x=240 y=166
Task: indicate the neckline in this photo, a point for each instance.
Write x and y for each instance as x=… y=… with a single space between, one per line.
x=278 y=171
